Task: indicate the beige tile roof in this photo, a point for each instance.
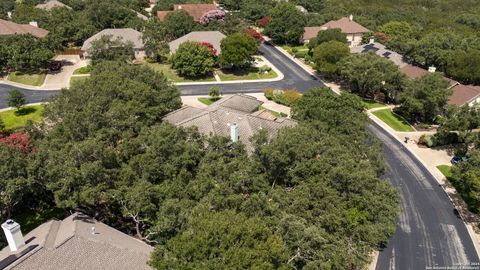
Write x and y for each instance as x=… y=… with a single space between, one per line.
x=463 y=94
x=125 y=34
x=8 y=28
x=195 y=10
x=161 y=14
x=49 y=5
x=310 y=32
x=212 y=37
x=70 y=244
x=346 y=25
x=217 y=118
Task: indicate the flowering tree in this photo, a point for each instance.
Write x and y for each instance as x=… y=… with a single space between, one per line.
x=19 y=141
x=210 y=47
x=253 y=33
x=213 y=15
x=263 y=22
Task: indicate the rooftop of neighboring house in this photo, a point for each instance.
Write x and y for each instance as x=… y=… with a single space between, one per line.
x=77 y=242
x=346 y=24
x=218 y=118
x=381 y=50
x=124 y=34
x=51 y=4
x=212 y=37
x=8 y=28
x=463 y=94
x=195 y=10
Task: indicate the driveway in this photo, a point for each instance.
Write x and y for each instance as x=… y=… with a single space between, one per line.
x=61 y=79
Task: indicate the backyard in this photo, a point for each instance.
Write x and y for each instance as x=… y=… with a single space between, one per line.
x=14 y=119
x=34 y=79
x=393 y=120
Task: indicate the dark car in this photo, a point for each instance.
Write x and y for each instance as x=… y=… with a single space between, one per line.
x=55 y=66
x=456 y=160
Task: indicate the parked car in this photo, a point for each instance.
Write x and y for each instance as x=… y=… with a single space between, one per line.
x=55 y=66
x=455 y=160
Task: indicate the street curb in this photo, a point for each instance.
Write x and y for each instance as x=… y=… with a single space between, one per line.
x=385 y=127
x=24 y=86
x=26 y=105
x=280 y=76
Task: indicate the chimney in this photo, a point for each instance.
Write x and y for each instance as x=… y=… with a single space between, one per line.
x=351 y=17
x=432 y=69
x=34 y=23
x=13 y=234
x=9 y=14
x=180 y=7
x=371 y=41
x=234 y=132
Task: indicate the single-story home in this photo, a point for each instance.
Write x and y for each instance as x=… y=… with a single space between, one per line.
x=77 y=242
x=461 y=94
x=51 y=4
x=195 y=10
x=212 y=37
x=127 y=35
x=354 y=30
x=237 y=117
x=8 y=28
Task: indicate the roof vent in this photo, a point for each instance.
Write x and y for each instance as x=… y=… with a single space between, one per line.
x=234 y=132
x=180 y=7
x=13 y=234
x=432 y=69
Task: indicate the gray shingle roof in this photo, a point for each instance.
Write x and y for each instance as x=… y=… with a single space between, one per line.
x=125 y=34
x=8 y=28
x=380 y=50
x=237 y=109
x=70 y=244
x=212 y=37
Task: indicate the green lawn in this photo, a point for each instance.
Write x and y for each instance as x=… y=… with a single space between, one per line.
x=173 y=76
x=276 y=114
x=370 y=104
x=446 y=170
x=208 y=101
x=249 y=74
x=290 y=49
x=77 y=79
x=28 y=79
x=393 y=120
x=82 y=70
x=13 y=119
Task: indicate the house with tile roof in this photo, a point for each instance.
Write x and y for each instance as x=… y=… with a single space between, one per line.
x=127 y=35
x=51 y=4
x=8 y=28
x=461 y=94
x=77 y=242
x=347 y=25
x=212 y=37
x=237 y=117
x=195 y=10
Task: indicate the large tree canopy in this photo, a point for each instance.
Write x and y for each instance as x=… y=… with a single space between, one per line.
x=286 y=24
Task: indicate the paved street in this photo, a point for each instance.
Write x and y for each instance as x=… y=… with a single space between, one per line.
x=428 y=232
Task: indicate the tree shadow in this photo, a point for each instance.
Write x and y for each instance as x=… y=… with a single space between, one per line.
x=240 y=72
x=25 y=111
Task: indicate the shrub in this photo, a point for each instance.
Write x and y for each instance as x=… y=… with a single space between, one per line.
x=253 y=33
x=264 y=69
x=439 y=139
x=268 y=93
x=284 y=97
x=426 y=140
x=300 y=54
x=263 y=22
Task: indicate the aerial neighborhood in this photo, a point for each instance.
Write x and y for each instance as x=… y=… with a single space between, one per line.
x=239 y=134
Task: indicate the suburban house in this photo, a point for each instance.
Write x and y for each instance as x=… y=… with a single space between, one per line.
x=51 y=4
x=8 y=28
x=354 y=30
x=77 y=242
x=127 y=35
x=212 y=37
x=462 y=94
x=195 y=10
x=237 y=117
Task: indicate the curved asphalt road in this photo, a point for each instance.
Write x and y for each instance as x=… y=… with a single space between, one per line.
x=428 y=233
